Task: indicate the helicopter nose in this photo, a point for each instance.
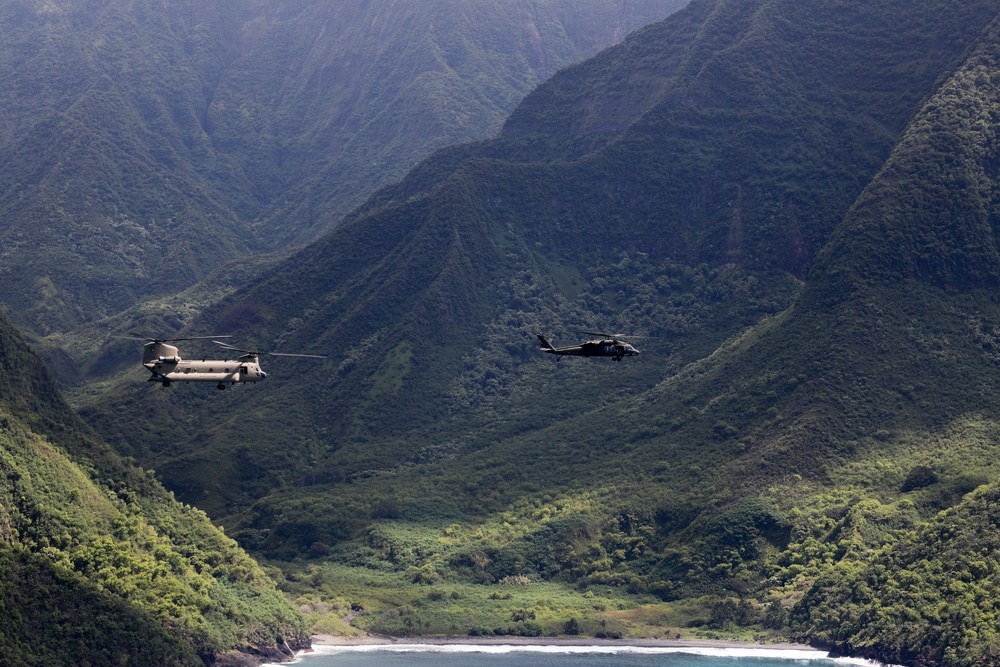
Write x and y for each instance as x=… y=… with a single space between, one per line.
x=263 y=375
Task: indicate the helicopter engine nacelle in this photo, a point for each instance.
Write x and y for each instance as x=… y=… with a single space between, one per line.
x=160 y=352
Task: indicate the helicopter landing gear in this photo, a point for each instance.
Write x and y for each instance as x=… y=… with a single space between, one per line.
x=617 y=358
x=166 y=383
x=220 y=386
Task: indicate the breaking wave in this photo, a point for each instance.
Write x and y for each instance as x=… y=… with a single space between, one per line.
x=792 y=654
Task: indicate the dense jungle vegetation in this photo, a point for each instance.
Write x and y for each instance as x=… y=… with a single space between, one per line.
x=796 y=206
x=100 y=564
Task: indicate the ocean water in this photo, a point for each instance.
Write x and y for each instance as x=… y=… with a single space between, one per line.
x=469 y=655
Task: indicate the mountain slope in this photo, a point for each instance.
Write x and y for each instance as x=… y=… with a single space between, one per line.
x=146 y=144
x=102 y=198
x=99 y=561
x=377 y=86
x=775 y=436
x=922 y=241
x=926 y=600
x=686 y=225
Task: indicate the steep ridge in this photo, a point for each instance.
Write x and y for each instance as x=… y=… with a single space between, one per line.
x=102 y=198
x=916 y=265
x=901 y=301
x=100 y=563
x=367 y=105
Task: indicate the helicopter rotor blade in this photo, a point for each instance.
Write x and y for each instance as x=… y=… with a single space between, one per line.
x=230 y=347
x=288 y=354
x=255 y=353
x=169 y=340
x=607 y=335
x=244 y=354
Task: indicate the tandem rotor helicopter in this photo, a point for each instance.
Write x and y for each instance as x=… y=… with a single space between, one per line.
x=167 y=366
x=608 y=345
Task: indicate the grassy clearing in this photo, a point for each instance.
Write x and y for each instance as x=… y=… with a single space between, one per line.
x=344 y=600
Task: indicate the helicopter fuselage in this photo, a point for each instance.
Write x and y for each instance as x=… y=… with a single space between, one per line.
x=615 y=349
x=205 y=370
x=167 y=366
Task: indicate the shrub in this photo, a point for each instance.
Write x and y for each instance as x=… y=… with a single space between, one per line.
x=918 y=478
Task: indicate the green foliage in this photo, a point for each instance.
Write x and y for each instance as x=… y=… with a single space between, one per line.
x=918 y=478
x=747 y=521
x=925 y=599
x=100 y=563
x=52 y=615
x=808 y=236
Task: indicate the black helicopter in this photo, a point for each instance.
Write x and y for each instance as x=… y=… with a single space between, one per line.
x=607 y=345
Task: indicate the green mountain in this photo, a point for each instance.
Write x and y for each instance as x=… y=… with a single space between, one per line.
x=101 y=565
x=795 y=203
x=427 y=298
x=916 y=264
x=146 y=144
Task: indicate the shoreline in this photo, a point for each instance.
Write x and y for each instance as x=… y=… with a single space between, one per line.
x=372 y=640
x=800 y=653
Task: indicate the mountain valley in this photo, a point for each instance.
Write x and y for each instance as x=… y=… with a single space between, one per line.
x=161 y=141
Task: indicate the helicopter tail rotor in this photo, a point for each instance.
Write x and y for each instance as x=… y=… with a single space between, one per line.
x=546 y=345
